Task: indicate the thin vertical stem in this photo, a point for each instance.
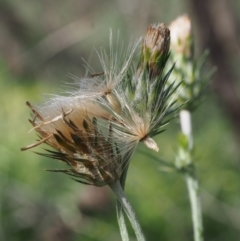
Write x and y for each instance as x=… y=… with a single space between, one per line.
x=121 y=222
x=193 y=190
x=191 y=179
x=119 y=209
x=186 y=126
x=117 y=189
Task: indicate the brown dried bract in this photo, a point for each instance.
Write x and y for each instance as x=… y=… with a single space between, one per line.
x=93 y=156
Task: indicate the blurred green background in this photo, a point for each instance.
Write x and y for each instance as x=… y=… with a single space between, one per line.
x=41 y=43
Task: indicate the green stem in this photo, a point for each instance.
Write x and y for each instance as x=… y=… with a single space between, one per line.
x=191 y=179
x=117 y=189
x=121 y=222
x=193 y=190
x=119 y=208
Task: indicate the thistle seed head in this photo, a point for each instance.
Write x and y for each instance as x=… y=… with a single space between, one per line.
x=96 y=129
x=83 y=141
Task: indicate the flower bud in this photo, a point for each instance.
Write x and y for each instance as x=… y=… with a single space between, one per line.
x=181 y=36
x=155 y=48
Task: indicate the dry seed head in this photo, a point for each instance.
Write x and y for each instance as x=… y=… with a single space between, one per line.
x=80 y=127
x=89 y=147
x=96 y=129
x=181 y=36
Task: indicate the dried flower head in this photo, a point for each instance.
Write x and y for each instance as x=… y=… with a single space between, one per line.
x=81 y=129
x=83 y=140
x=181 y=36
x=97 y=127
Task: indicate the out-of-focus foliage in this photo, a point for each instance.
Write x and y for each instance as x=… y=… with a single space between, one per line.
x=36 y=205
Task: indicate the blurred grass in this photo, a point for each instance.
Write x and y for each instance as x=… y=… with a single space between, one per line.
x=33 y=202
